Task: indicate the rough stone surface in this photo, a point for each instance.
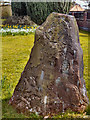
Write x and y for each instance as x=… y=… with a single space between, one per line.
x=52 y=80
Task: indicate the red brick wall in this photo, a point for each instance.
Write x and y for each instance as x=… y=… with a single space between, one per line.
x=84 y=24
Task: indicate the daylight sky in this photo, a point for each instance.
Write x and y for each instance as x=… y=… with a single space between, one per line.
x=82 y=3
x=79 y=2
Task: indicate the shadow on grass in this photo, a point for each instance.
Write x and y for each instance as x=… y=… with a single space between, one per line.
x=8 y=112
x=88 y=110
x=84 y=32
x=83 y=35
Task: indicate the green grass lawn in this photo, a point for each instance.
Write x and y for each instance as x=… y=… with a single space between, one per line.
x=84 y=44
x=15 y=54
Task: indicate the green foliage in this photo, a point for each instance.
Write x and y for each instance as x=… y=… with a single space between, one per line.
x=38 y=11
x=19 y=8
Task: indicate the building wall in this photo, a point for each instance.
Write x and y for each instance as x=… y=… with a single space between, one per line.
x=6 y=11
x=85 y=25
x=83 y=19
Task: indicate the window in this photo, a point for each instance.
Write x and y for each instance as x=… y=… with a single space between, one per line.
x=79 y=15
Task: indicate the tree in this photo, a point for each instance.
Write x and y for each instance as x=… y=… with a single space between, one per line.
x=38 y=11
x=19 y=8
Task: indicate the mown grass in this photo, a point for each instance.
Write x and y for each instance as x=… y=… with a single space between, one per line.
x=16 y=51
x=15 y=54
x=84 y=40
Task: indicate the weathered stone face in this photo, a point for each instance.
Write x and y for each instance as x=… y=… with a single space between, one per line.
x=52 y=80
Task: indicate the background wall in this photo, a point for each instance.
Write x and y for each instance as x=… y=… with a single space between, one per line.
x=6 y=11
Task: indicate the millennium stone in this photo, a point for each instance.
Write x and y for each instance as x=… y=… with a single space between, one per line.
x=52 y=81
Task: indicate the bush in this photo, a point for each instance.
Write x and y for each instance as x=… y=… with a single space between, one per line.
x=38 y=11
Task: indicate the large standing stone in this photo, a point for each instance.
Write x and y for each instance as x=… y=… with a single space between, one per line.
x=52 y=80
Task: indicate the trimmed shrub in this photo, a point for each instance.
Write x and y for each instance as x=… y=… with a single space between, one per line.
x=38 y=11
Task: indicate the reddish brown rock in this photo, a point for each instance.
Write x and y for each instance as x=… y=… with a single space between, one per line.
x=52 y=80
